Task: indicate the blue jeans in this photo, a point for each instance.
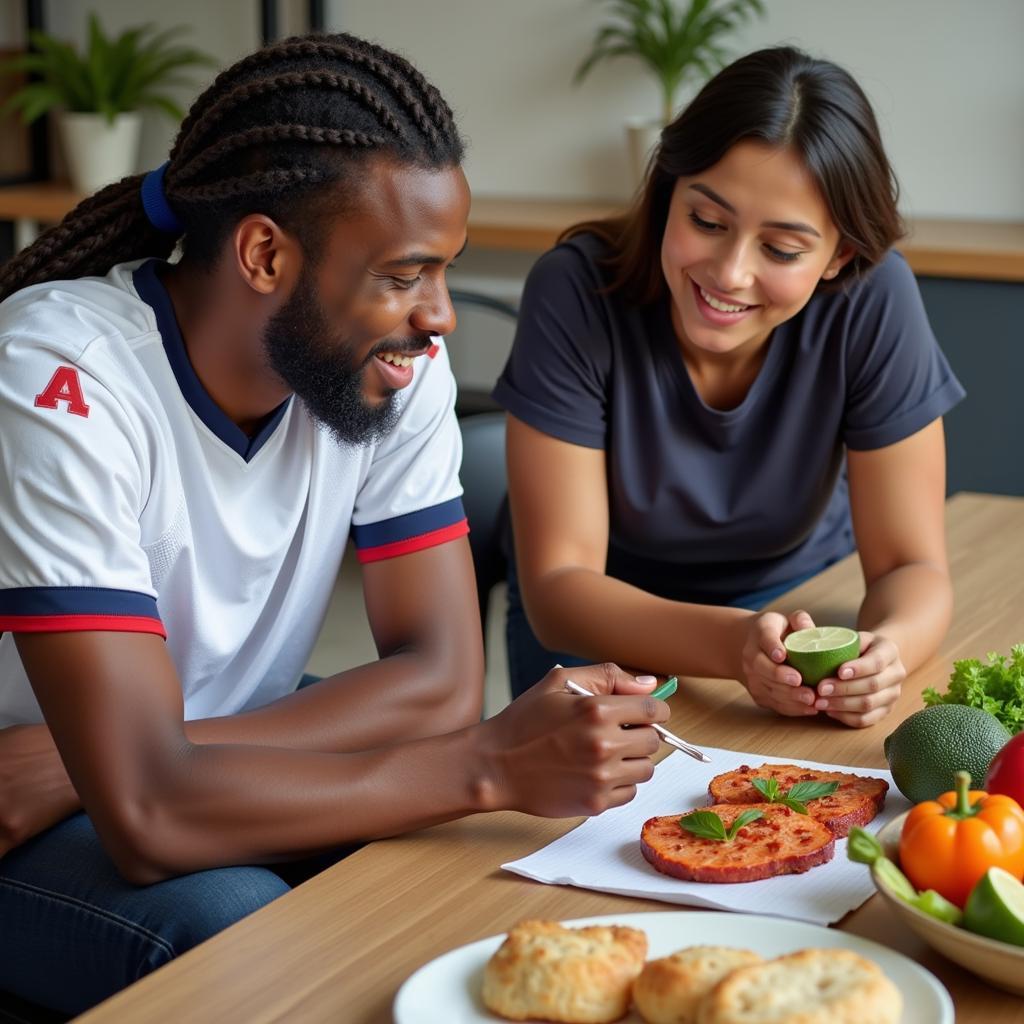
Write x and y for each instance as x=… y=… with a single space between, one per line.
x=528 y=661
x=73 y=931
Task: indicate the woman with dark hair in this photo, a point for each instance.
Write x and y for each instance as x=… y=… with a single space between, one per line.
x=725 y=390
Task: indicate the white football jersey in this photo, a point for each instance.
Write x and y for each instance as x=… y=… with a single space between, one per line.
x=130 y=501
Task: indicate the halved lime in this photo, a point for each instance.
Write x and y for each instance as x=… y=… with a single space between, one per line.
x=996 y=907
x=817 y=652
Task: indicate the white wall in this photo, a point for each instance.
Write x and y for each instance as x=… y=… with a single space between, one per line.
x=946 y=78
x=11 y=28
x=226 y=29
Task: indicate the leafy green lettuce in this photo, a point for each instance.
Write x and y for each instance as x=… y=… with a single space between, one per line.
x=996 y=687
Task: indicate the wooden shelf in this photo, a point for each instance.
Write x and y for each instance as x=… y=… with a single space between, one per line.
x=977 y=250
x=971 y=249
x=528 y=225
x=47 y=202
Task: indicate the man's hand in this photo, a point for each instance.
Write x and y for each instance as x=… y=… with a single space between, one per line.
x=771 y=683
x=559 y=755
x=35 y=791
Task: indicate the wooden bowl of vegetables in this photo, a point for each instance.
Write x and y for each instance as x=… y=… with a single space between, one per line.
x=992 y=904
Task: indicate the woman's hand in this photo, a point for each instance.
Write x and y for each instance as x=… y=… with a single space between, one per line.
x=771 y=683
x=863 y=692
x=867 y=687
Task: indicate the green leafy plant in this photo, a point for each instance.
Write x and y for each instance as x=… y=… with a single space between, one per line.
x=113 y=75
x=795 y=797
x=708 y=825
x=996 y=687
x=676 y=43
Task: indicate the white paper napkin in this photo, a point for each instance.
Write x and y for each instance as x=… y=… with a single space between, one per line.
x=604 y=852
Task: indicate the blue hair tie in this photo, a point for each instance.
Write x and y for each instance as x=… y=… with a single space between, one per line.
x=154 y=202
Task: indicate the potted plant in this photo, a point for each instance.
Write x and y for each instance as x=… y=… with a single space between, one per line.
x=98 y=95
x=676 y=43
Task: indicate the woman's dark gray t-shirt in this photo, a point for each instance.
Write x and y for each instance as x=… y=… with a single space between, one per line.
x=707 y=505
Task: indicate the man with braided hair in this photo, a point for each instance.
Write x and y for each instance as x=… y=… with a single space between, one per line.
x=186 y=447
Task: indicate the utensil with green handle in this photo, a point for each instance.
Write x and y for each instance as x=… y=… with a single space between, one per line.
x=666 y=689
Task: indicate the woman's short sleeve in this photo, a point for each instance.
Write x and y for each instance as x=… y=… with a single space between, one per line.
x=899 y=379
x=555 y=377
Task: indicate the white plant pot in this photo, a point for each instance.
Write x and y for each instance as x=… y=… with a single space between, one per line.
x=98 y=152
x=642 y=136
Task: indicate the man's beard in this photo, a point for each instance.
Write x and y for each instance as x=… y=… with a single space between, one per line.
x=323 y=372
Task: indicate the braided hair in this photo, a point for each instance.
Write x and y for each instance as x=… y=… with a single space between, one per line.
x=267 y=136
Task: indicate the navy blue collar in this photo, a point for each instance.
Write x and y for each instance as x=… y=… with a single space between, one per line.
x=151 y=290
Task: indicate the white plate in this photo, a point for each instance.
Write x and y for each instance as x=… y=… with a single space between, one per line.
x=450 y=985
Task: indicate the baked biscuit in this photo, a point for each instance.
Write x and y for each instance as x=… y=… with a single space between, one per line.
x=669 y=990
x=813 y=986
x=570 y=975
x=780 y=842
x=856 y=801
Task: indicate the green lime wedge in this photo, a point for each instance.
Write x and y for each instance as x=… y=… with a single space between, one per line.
x=996 y=907
x=889 y=876
x=817 y=652
x=936 y=905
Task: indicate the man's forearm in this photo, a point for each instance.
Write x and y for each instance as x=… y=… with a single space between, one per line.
x=421 y=697
x=342 y=713
x=912 y=606
x=220 y=804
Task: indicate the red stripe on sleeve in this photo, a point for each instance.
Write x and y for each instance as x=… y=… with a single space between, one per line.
x=410 y=544
x=81 y=623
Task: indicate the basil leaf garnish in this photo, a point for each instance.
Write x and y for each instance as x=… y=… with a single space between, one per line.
x=797 y=796
x=768 y=788
x=805 y=791
x=705 y=824
x=744 y=819
x=708 y=825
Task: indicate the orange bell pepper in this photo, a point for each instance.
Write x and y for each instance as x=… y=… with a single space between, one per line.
x=947 y=844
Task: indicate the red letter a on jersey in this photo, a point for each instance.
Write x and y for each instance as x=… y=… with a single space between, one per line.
x=64 y=386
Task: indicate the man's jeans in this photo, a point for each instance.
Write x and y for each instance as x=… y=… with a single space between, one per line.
x=73 y=931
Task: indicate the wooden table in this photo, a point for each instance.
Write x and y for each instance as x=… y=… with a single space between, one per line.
x=934 y=247
x=338 y=947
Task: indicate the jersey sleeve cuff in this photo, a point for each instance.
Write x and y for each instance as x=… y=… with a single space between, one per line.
x=414 y=531
x=78 y=609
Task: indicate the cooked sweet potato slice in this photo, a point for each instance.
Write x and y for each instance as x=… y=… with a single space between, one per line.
x=857 y=800
x=782 y=842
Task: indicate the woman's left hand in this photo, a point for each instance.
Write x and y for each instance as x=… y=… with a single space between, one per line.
x=867 y=687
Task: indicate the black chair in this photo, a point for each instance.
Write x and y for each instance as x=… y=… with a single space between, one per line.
x=485 y=499
x=490 y=321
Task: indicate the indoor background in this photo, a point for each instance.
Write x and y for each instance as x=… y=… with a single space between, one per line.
x=945 y=77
